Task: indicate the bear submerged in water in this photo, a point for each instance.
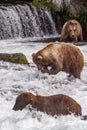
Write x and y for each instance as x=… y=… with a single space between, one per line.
x=53 y=105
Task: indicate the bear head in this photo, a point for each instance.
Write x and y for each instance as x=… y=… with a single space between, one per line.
x=72 y=30
x=43 y=62
x=22 y=100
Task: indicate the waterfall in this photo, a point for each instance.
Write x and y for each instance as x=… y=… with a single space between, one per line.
x=26 y=21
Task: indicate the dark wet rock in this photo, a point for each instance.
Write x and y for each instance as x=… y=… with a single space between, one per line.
x=80 y=43
x=14 y=58
x=74 y=6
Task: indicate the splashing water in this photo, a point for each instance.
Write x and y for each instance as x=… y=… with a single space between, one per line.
x=15 y=78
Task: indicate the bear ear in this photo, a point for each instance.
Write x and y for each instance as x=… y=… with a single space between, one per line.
x=39 y=57
x=31 y=96
x=33 y=54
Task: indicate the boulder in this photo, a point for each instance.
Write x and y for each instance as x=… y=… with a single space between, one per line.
x=14 y=58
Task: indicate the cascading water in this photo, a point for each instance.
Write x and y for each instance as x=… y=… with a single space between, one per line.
x=26 y=21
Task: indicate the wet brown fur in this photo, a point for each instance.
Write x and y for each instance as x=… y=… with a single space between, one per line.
x=52 y=105
x=71 y=31
x=61 y=57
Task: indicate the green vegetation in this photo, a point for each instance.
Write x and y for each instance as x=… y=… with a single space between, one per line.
x=65 y=13
x=45 y=4
x=82 y=18
x=14 y=58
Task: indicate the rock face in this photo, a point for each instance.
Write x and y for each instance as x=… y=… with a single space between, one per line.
x=52 y=105
x=59 y=57
x=15 y=58
x=75 y=6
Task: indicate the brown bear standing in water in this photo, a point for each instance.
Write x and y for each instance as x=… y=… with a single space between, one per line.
x=60 y=57
x=71 y=31
x=52 y=105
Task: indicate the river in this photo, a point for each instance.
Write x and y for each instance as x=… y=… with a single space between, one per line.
x=16 y=78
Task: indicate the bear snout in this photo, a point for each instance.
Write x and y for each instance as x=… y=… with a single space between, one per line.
x=73 y=36
x=17 y=107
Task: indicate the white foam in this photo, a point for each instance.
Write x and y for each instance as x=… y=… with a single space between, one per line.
x=19 y=78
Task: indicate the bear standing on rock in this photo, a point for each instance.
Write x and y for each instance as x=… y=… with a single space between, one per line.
x=52 y=105
x=60 y=57
x=71 y=31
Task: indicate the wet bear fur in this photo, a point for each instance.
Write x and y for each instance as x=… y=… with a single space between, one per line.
x=71 y=31
x=53 y=105
x=60 y=57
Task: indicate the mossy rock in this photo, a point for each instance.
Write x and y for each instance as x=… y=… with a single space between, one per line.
x=14 y=58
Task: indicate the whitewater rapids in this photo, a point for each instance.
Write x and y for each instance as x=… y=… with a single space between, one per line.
x=15 y=78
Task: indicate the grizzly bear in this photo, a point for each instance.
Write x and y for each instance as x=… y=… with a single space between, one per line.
x=60 y=57
x=71 y=31
x=52 y=105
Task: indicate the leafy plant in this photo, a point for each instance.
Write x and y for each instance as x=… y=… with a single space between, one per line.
x=45 y=4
